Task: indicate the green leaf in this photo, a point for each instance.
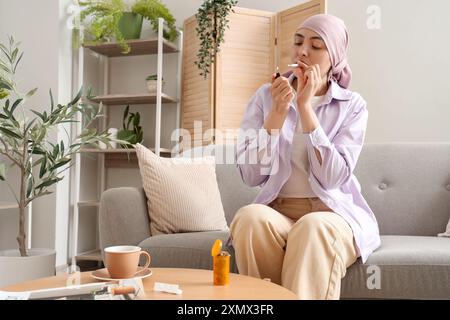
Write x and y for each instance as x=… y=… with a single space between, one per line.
x=38 y=150
x=40 y=115
x=60 y=163
x=43 y=167
x=137 y=119
x=77 y=98
x=29 y=125
x=5 y=85
x=31 y=92
x=55 y=151
x=14 y=54
x=9 y=133
x=14 y=106
x=48 y=183
x=52 y=104
x=4 y=67
x=30 y=185
x=125 y=135
x=125 y=115
x=130 y=118
x=17 y=63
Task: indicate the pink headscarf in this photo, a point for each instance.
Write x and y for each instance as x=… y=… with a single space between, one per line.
x=334 y=33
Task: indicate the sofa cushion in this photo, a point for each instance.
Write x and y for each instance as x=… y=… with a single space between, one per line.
x=409 y=267
x=186 y=250
x=182 y=193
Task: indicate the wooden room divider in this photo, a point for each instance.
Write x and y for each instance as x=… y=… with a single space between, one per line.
x=256 y=42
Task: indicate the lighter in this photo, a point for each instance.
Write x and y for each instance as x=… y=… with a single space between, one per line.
x=277 y=75
x=221 y=264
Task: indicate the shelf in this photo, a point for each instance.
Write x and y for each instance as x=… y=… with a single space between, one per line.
x=120 y=99
x=137 y=47
x=123 y=158
x=92 y=150
x=89 y=203
x=93 y=255
x=8 y=205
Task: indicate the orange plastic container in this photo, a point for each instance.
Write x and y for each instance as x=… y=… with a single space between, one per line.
x=221 y=269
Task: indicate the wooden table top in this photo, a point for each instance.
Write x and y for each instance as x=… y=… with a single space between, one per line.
x=196 y=284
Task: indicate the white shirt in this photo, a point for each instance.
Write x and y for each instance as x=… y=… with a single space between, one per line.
x=297 y=186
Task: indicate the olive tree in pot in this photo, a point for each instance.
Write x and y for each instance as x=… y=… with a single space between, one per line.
x=25 y=144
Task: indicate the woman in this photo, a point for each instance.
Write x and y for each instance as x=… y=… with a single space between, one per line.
x=309 y=222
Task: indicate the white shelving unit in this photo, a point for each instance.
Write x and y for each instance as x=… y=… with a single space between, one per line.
x=109 y=157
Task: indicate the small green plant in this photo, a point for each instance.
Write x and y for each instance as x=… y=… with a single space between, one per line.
x=131 y=135
x=153 y=77
x=27 y=142
x=100 y=18
x=211 y=24
x=152 y=10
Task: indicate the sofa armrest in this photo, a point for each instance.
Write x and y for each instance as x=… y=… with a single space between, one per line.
x=123 y=217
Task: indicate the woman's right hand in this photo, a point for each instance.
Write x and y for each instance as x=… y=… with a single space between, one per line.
x=282 y=94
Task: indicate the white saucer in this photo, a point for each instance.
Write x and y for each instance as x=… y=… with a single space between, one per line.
x=103 y=274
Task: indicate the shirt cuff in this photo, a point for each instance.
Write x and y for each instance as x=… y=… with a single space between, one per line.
x=318 y=138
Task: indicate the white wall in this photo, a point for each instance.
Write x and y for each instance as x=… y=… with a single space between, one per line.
x=40 y=27
x=401 y=69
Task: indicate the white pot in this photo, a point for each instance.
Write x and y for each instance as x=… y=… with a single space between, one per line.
x=39 y=263
x=113 y=134
x=151 y=86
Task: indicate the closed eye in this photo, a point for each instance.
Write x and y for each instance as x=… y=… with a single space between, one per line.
x=300 y=43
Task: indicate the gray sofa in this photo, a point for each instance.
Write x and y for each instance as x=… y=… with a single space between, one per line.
x=407 y=186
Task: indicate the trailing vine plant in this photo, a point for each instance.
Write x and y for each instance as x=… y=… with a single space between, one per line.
x=211 y=24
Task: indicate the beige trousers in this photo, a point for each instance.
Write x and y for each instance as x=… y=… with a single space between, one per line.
x=298 y=243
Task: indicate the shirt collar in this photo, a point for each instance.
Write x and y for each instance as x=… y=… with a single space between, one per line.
x=335 y=91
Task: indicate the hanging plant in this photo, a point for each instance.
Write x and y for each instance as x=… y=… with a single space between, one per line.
x=212 y=22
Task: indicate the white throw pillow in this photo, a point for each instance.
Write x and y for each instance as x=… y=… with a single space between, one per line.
x=182 y=193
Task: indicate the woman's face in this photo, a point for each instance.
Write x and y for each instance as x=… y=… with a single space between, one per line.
x=311 y=49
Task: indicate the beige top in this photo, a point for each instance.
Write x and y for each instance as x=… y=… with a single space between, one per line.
x=297 y=186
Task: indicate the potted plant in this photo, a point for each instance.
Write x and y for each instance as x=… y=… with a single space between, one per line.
x=105 y=20
x=151 y=83
x=211 y=24
x=131 y=135
x=26 y=144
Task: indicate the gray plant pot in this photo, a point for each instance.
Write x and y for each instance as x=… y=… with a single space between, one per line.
x=40 y=263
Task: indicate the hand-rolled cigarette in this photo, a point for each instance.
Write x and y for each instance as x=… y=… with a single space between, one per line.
x=122 y=290
x=294 y=65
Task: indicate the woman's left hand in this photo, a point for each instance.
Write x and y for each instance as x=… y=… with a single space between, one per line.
x=309 y=82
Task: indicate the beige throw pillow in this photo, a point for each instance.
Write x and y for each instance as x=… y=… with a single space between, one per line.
x=182 y=193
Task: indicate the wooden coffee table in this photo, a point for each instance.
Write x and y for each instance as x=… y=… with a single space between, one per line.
x=196 y=284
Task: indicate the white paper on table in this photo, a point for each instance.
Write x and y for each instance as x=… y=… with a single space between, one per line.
x=167 y=287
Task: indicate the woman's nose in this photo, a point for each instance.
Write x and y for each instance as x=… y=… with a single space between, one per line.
x=302 y=52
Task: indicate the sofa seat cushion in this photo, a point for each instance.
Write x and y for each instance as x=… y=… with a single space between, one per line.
x=186 y=250
x=409 y=267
